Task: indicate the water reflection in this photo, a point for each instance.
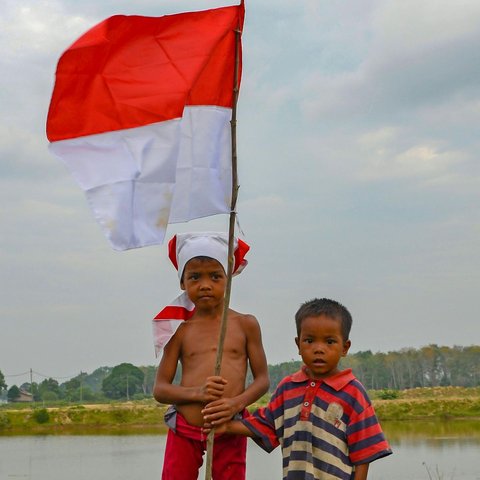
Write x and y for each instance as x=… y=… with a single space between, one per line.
x=435 y=431
x=440 y=450
x=449 y=449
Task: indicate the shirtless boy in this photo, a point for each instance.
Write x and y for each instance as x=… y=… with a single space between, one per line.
x=201 y=260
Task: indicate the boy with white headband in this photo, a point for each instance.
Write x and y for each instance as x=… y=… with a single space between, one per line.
x=188 y=332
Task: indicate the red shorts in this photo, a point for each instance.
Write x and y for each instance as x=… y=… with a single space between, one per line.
x=186 y=446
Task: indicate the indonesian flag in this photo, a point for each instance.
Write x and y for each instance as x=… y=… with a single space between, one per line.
x=140 y=114
x=167 y=321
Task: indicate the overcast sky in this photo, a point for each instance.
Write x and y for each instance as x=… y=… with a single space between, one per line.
x=358 y=142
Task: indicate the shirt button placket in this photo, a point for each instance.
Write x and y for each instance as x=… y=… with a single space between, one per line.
x=308 y=399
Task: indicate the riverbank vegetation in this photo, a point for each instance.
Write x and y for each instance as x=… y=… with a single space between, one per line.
x=441 y=403
x=409 y=368
x=108 y=418
x=146 y=416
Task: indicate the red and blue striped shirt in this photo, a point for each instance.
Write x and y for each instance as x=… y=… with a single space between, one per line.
x=324 y=427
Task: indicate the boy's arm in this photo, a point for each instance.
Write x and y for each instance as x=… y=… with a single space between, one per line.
x=224 y=409
x=258 y=364
x=361 y=471
x=234 y=427
x=166 y=392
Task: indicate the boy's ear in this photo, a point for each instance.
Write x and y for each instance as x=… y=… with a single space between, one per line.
x=346 y=347
x=182 y=285
x=297 y=343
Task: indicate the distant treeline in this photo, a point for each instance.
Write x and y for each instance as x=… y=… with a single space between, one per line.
x=429 y=366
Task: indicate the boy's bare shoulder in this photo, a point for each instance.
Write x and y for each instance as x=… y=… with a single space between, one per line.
x=247 y=320
x=240 y=316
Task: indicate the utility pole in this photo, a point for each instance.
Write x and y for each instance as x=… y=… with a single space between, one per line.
x=81 y=385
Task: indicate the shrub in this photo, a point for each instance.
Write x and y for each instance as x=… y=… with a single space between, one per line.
x=388 y=394
x=140 y=396
x=4 y=420
x=119 y=416
x=41 y=415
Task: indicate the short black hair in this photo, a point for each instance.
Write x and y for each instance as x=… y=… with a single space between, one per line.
x=325 y=306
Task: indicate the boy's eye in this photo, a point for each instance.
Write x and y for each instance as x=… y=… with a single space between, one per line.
x=331 y=341
x=308 y=340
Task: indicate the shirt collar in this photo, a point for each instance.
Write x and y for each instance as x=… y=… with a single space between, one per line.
x=337 y=381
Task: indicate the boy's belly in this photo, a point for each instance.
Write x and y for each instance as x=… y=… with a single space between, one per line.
x=192 y=413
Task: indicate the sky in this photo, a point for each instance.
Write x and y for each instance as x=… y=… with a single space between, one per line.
x=358 y=150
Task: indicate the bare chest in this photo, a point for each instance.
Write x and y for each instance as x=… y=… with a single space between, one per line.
x=200 y=341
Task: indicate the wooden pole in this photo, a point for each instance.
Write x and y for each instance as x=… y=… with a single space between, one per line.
x=231 y=235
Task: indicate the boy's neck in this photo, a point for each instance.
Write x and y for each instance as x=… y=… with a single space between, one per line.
x=215 y=312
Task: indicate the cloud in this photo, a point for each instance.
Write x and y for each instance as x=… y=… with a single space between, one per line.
x=265 y=202
x=417 y=56
x=381 y=161
x=24 y=153
x=34 y=30
x=359 y=173
x=411 y=26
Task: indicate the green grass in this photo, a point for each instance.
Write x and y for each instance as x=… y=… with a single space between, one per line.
x=110 y=418
x=442 y=403
x=146 y=416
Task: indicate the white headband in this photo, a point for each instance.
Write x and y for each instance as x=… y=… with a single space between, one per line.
x=185 y=246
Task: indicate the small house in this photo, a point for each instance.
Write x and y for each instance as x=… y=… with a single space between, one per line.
x=24 y=396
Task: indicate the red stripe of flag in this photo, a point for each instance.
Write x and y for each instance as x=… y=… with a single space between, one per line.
x=131 y=71
x=174 y=313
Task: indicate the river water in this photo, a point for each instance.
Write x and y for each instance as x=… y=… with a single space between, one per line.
x=450 y=451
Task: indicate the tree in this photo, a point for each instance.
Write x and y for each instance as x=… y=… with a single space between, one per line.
x=125 y=381
x=73 y=389
x=149 y=379
x=95 y=379
x=281 y=370
x=3 y=385
x=69 y=388
x=77 y=390
x=49 y=396
x=13 y=393
x=85 y=394
x=49 y=390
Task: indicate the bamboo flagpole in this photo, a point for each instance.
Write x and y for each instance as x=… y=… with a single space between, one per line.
x=231 y=232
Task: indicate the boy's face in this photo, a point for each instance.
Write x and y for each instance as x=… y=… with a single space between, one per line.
x=321 y=345
x=204 y=280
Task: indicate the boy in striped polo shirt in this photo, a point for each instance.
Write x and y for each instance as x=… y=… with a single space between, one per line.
x=321 y=416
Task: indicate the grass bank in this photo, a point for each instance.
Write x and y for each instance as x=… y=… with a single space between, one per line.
x=115 y=418
x=146 y=416
x=436 y=403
